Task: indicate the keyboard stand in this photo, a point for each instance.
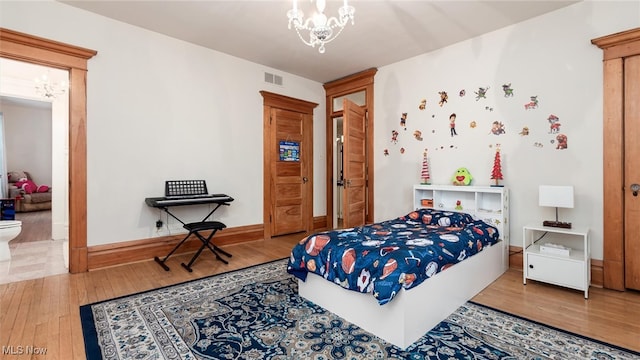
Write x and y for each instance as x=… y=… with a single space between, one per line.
x=166 y=210
x=195 y=228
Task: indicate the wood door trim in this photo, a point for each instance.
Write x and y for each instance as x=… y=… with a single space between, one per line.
x=619 y=45
x=363 y=80
x=36 y=50
x=615 y=47
x=270 y=101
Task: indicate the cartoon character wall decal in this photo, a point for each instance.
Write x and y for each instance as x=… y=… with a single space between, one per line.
x=525 y=131
x=462 y=177
x=386 y=152
x=452 y=124
x=508 y=91
x=533 y=104
x=444 y=97
x=481 y=93
x=418 y=135
x=473 y=124
x=423 y=104
x=403 y=121
x=554 y=124
x=497 y=128
x=562 y=141
x=462 y=93
x=394 y=136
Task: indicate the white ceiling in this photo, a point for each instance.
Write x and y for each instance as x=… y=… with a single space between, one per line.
x=22 y=75
x=384 y=32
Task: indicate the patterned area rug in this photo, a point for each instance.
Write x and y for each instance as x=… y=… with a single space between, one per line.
x=255 y=313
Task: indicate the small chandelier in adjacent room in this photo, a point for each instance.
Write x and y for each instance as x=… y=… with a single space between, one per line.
x=46 y=88
x=321 y=28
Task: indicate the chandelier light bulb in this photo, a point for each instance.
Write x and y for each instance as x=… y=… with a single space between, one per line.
x=319 y=20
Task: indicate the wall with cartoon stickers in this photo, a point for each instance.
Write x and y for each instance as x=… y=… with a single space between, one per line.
x=530 y=90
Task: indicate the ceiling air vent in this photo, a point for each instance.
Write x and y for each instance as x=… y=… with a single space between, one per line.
x=273 y=79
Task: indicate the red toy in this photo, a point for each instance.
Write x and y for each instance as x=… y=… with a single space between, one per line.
x=29 y=187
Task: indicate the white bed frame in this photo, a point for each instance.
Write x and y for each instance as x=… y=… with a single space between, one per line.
x=411 y=313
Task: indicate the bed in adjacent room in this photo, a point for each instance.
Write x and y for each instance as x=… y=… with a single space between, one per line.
x=396 y=278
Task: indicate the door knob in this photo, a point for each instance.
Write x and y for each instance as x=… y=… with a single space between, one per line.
x=635 y=188
x=304 y=179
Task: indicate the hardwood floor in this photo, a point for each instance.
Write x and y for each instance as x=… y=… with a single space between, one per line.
x=44 y=313
x=607 y=315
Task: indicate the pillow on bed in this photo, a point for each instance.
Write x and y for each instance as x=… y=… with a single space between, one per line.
x=441 y=218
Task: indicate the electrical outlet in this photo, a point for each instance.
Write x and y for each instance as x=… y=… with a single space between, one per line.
x=159 y=224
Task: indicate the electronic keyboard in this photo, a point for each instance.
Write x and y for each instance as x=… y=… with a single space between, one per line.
x=161 y=202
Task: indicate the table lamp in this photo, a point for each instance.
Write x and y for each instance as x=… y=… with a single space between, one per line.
x=558 y=197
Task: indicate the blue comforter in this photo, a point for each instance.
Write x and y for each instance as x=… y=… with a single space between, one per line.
x=385 y=257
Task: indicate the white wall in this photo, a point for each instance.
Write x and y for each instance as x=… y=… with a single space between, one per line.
x=161 y=109
x=549 y=56
x=28 y=140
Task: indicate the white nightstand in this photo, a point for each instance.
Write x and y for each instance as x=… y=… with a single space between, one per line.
x=572 y=270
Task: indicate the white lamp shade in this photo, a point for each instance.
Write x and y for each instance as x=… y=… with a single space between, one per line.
x=556 y=196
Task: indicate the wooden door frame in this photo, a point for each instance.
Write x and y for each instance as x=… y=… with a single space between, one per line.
x=36 y=50
x=270 y=101
x=615 y=48
x=344 y=86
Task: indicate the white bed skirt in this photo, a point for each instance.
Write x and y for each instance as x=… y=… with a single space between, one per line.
x=411 y=313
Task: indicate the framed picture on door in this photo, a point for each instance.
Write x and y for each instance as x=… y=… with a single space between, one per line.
x=289 y=151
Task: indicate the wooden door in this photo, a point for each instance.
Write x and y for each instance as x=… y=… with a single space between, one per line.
x=632 y=172
x=621 y=139
x=354 y=200
x=290 y=208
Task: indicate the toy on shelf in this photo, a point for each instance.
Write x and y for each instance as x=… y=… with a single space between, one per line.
x=462 y=177
x=496 y=173
x=424 y=174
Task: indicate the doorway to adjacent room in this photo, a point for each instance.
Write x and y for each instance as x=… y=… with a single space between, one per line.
x=350 y=189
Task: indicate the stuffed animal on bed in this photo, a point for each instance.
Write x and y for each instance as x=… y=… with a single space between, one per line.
x=29 y=187
x=462 y=177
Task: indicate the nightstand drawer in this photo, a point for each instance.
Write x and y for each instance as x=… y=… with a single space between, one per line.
x=555 y=270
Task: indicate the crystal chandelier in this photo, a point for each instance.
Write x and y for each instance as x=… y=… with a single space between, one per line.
x=319 y=26
x=48 y=89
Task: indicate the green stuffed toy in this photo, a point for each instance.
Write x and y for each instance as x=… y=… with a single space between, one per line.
x=462 y=177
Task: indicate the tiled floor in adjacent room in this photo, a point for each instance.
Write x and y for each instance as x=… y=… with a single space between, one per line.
x=32 y=260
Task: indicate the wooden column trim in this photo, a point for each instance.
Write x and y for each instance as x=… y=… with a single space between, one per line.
x=615 y=47
x=36 y=50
